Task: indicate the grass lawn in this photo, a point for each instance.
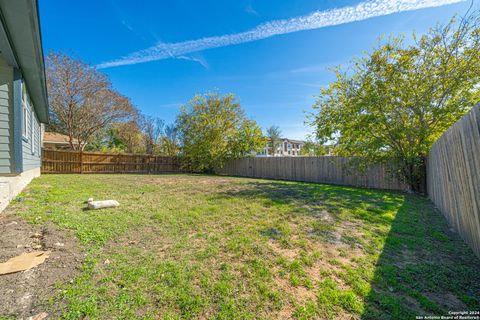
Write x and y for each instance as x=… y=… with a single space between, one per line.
x=188 y=247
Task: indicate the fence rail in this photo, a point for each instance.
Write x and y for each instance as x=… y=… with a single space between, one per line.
x=453 y=177
x=60 y=161
x=334 y=170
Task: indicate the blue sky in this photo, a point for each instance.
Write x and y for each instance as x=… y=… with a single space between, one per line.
x=275 y=70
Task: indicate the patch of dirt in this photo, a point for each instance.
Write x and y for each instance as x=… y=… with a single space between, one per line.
x=321 y=214
x=406 y=258
x=26 y=293
x=189 y=179
x=448 y=300
x=145 y=239
x=315 y=272
x=342 y=315
x=289 y=253
x=298 y=293
x=412 y=303
x=286 y=313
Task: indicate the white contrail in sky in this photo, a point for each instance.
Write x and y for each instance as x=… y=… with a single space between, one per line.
x=315 y=20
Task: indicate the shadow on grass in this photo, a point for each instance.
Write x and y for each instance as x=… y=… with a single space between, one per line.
x=423 y=268
x=332 y=198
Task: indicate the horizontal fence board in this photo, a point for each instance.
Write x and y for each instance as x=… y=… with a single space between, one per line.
x=453 y=177
x=61 y=161
x=327 y=169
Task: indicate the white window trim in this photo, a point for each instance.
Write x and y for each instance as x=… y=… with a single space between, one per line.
x=24 y=112
x=32 y=131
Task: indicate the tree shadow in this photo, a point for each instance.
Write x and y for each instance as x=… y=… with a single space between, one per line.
x=332 y=198
x=419 y=267
x=425 y=268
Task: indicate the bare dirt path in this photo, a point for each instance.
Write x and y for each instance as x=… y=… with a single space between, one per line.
x=25 y=294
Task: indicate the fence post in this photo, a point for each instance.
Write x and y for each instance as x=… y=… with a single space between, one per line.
x=81 y=161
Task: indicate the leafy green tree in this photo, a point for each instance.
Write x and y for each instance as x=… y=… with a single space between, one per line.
x=214 y=129
x=313 y=149
x=127 y=137
x=274 y=136
x=400 y=98
x=170 y=142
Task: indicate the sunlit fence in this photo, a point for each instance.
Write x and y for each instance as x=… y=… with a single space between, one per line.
x=327 y=169
x=453 y=177
x=60 y=161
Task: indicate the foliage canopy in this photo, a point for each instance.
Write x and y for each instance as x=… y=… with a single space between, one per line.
x=274 y=136
x=82 y=100
x=213 y=129
x=398 y=100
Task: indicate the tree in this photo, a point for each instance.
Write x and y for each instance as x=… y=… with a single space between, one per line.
x=214 y=129
x=313 y=149
x=82 y=100
x=152 y=129
x=170 y=143
x=128 y=136
x=400 y=98
x=274 y=137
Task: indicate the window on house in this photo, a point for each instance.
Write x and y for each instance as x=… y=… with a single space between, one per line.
x=24 y=112
x=285 y=146
x=32 y=132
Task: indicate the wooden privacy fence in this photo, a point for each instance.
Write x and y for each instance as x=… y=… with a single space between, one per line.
x=453 y=177
x=59 y=161
x=327 y=169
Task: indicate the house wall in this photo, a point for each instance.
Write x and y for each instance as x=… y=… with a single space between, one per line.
x=11 y=186
x=31 y=147
x=6 y=118
x=20 y=155
x=283 y=149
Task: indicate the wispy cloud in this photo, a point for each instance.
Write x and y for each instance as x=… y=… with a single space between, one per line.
x=315 y=20
x=200 y=61
x=127 y=25
x=313 y=68
x=249 y=9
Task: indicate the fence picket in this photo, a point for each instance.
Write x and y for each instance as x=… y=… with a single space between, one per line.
x=311 y=169
x=62 y=161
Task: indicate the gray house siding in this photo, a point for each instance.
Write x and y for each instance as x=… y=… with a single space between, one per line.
x=26 y=145
x=31 y=144
x=23 y=96
x=6 y=107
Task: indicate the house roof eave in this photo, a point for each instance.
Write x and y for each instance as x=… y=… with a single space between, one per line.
x=22 y=47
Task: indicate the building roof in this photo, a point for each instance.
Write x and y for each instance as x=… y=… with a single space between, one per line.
x=21 y=46
x=293 y=141
x=57 y=138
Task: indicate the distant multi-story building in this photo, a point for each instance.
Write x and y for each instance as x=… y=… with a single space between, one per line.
x=285 y=148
